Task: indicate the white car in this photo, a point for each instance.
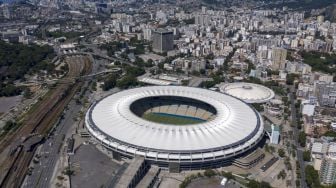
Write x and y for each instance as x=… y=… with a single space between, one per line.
x=224 y=181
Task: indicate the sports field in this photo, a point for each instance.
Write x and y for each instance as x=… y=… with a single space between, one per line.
x=171 y=119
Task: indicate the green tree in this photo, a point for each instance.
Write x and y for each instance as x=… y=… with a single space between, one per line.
x=68 y=171
x=290 y=79
x=320 y=64
x=127 y=82
x=330 y=134
x=109 y=82
x=312 y=177
x=297 y=182
x=209 y=173
x=112 y=47
x=250 y=66
x=9 y=125
x=207 y=84
x=258 y=107
x=306 y=155
x=302 y=139
x=255 y=184
x=282 y=174
x=281 y=153
x=134 y=71
x=17 y=60
x=228 y=175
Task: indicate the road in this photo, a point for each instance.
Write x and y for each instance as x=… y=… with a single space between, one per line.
x=296 y=134
x=50 y=150
x=38 y=121
x=123 y=61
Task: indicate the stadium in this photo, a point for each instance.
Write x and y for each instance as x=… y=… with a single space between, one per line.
x=248 y=92
x=175 y=126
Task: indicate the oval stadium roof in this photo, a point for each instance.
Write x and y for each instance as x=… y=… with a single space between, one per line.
x=250 y=93
x=235 y=128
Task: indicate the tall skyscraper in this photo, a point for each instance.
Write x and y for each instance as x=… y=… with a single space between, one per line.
x=163 y=40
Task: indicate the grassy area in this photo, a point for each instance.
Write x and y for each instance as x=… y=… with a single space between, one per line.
x=171 y=119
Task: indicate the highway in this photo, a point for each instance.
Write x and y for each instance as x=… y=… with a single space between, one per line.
x=296 y=135
x=123 y=61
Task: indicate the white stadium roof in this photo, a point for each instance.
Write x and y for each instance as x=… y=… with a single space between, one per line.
x=235 y=128
x=250 y=93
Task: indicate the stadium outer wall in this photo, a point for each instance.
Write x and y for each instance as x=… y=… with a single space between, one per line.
x=167 y=163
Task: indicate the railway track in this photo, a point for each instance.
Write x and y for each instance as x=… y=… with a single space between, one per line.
x=39 y=121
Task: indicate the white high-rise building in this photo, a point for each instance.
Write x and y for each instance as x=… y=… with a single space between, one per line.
x=202 y=19
x=275 y=135
x=328 y=166
x=147 y=33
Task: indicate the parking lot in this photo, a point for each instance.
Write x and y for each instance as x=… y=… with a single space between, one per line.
x=92 y=168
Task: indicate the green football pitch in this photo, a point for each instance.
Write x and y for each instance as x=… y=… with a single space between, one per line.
x=171 y=119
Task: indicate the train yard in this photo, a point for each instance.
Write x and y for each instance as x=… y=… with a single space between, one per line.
x=17 y=148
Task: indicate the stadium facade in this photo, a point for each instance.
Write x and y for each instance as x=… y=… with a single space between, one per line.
x=229 y=127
